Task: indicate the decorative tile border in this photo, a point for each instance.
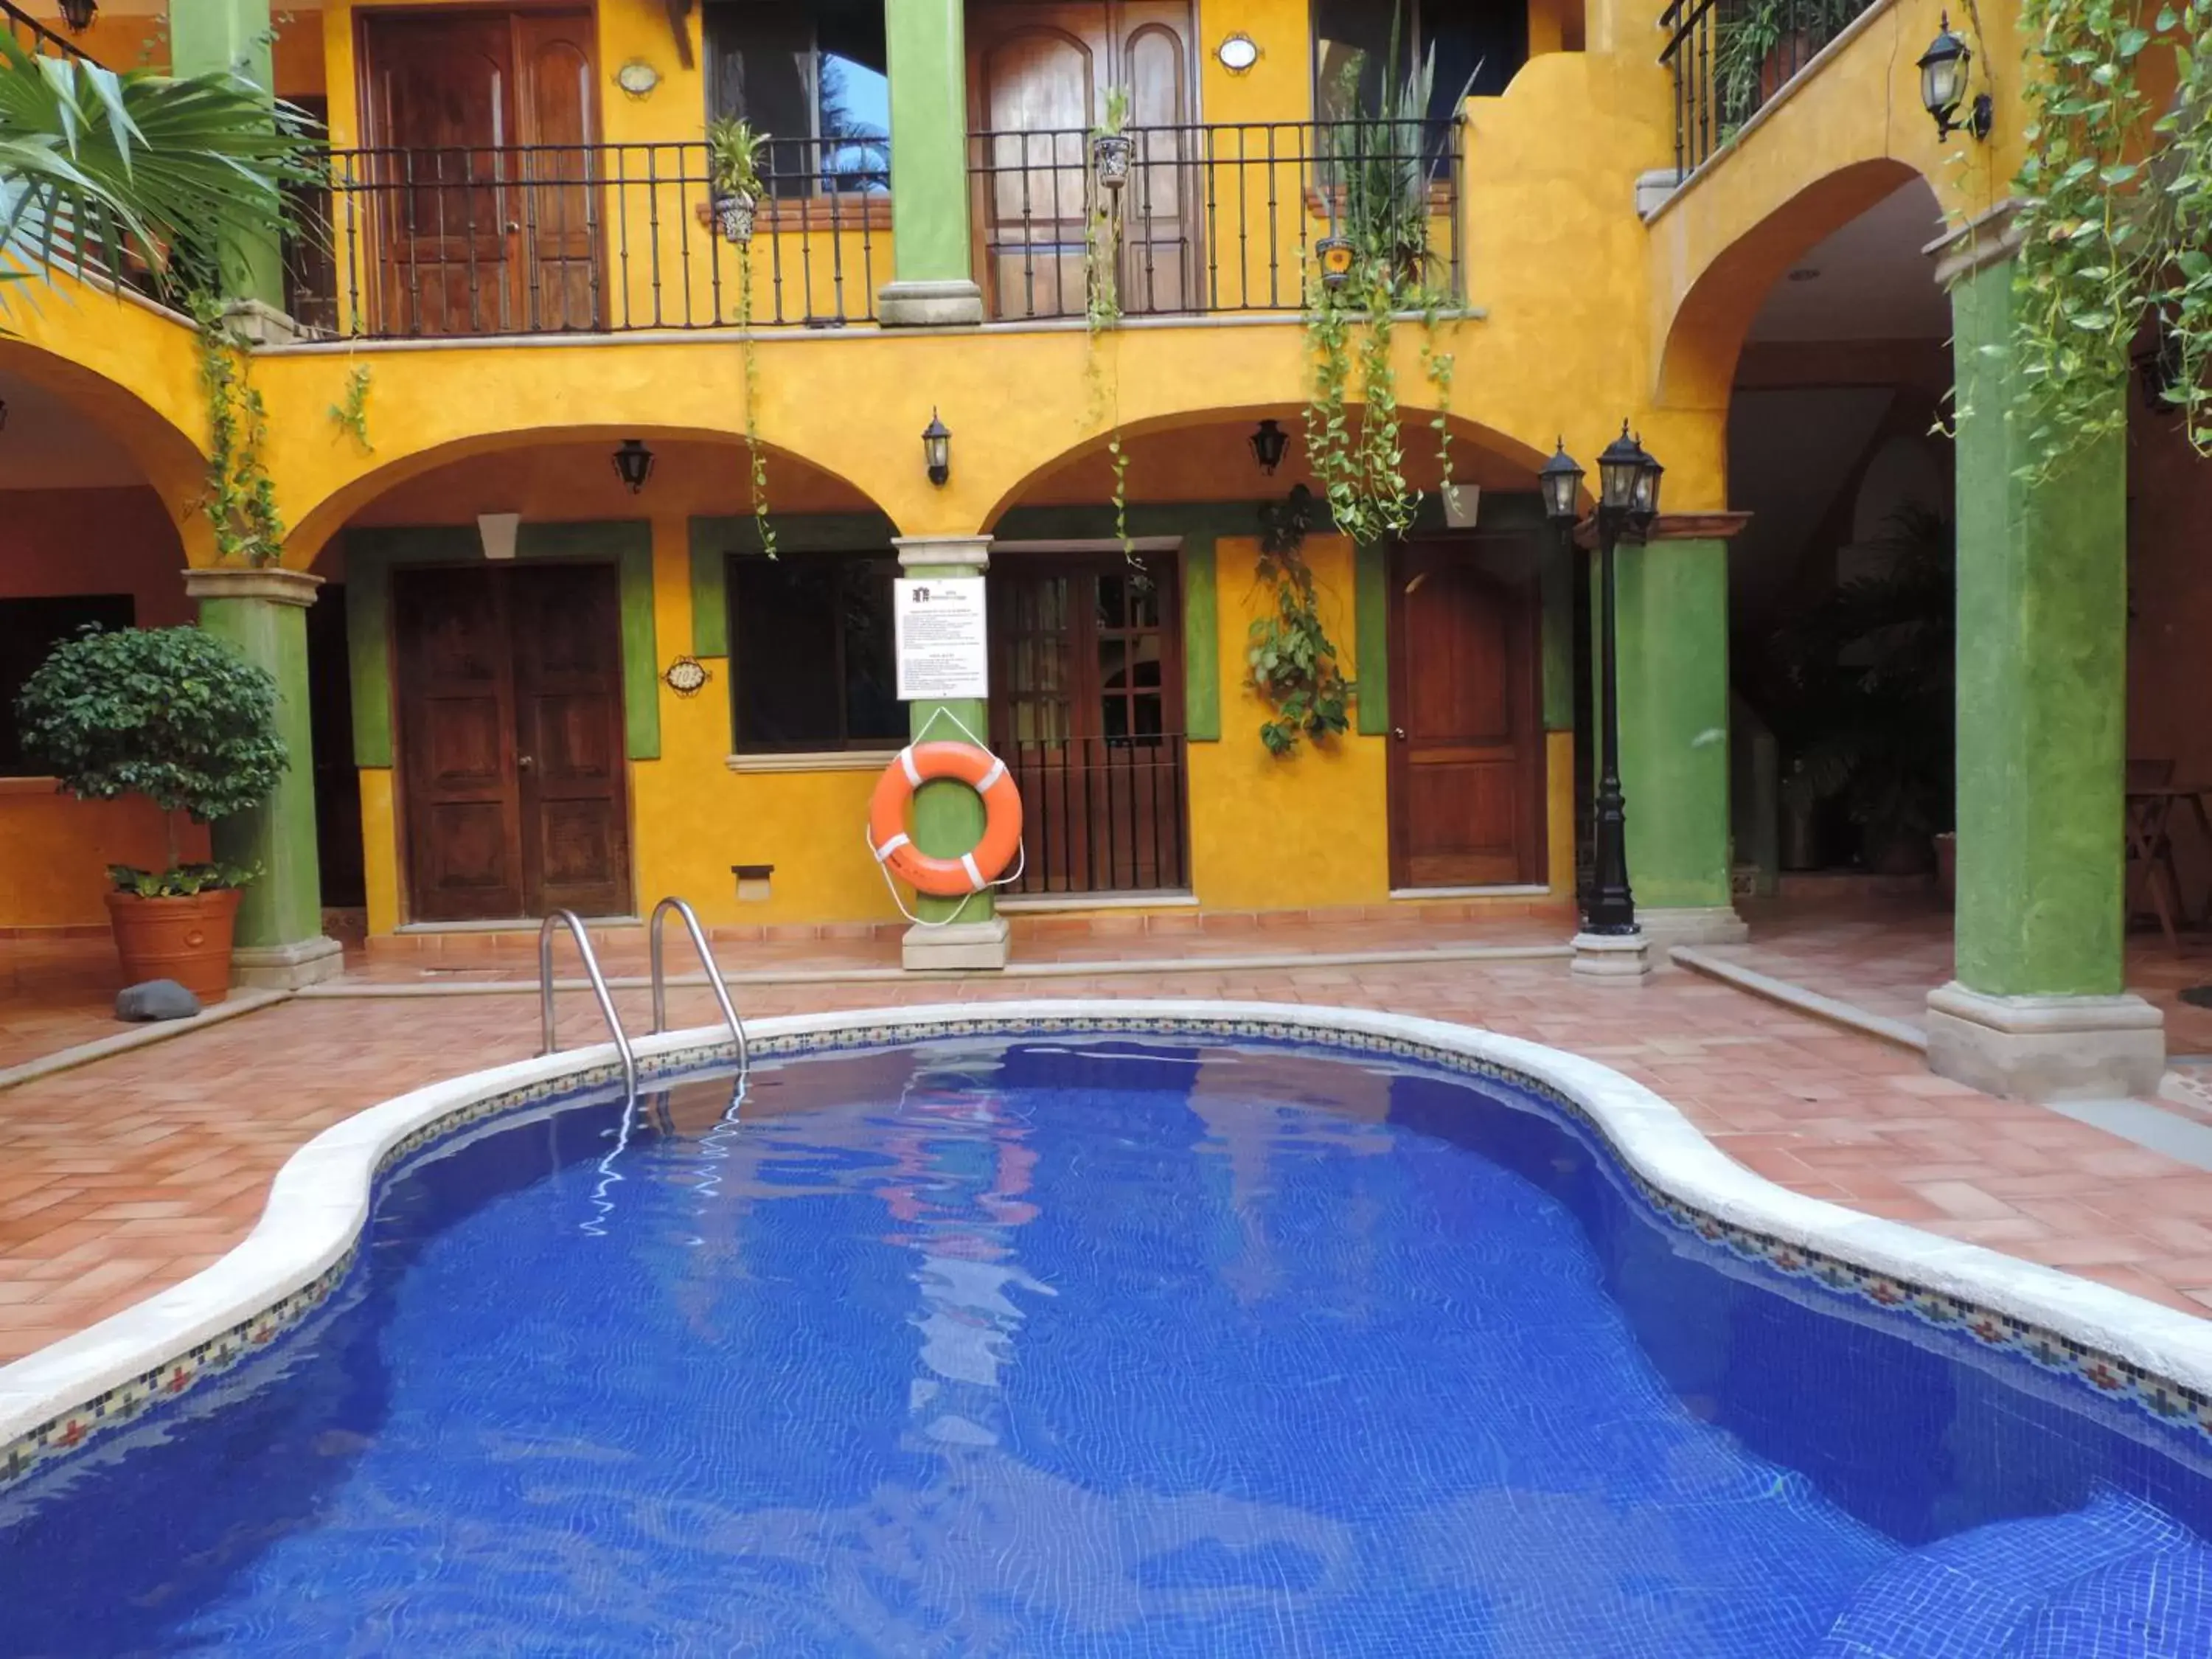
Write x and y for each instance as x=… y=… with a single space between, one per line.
x=55 y=1403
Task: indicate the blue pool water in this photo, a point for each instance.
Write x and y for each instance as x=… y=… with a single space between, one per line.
x=1100 y=1349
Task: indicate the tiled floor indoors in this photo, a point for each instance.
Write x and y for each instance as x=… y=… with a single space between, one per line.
x=121 y=1176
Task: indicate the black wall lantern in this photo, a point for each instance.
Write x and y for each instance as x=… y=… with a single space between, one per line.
x=937 y=448
x=1561 y=481
x=79 y=14
x=1943 y=86
x=1269 y=440
x=633 y=464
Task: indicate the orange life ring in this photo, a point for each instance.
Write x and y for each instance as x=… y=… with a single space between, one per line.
x=924 y=763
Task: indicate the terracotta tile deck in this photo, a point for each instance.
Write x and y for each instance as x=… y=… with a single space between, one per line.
x=123 y=1177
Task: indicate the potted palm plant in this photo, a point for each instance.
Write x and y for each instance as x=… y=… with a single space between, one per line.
x=176 y=715
x=733 y=159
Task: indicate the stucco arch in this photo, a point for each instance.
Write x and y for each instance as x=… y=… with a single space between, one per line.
x=1201 y=454
x=796 y=483
x=168 y=455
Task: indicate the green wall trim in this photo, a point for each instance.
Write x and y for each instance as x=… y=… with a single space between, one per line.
x=285 y=905
x=1201 y=642
x=2041 y=691
x=710 y=596
x=1672 y=641
x=371 y=554
x=925 y=42
x=1557 y=585
x=1371 y=629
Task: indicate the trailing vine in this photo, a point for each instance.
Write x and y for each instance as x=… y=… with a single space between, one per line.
x=755 y=457
x=1293 y=666
x=1437 y=368
x=2115 y=218
x=1101 y=311
x=350 y=413
x=241 y=500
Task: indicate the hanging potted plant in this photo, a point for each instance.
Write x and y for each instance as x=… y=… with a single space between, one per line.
x=733 y=158
x=176 y=715
x=1111 y=147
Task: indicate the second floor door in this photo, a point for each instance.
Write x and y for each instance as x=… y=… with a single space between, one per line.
x=1038 y=78
x=483 y=205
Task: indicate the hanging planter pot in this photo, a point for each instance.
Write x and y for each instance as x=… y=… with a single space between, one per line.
x=1334 y=253
x=1109 y=158
x=733 y=217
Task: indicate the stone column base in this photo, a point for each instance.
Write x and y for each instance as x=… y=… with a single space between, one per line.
x=929 y=305
x=2045 y=1049
x=960 y=946
x=287 y=967
x=1667 y=927
x=1612 y=958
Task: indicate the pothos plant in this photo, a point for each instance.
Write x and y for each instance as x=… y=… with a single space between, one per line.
x=734 y=153
x=1293 y=666
x=2115 y=219
x=1102 y=292
x=1374 y=175
x=240 y=498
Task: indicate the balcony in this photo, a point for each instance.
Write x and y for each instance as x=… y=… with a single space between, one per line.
x=612 y=239
x=1211 y=219
x=1730 y=58
x=585 y=239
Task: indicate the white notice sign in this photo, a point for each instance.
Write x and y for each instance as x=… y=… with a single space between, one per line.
x=944 y=653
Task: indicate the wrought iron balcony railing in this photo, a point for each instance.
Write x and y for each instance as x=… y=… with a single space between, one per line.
x=34 y=37
x=1206 y=219
x=1730 y=58
x=585 y=239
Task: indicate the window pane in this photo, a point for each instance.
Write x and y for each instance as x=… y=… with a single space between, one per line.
x=29 y=629
x=873 y=712
x=783 y=653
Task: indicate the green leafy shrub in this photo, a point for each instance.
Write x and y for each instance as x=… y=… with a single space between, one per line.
x=172 y=713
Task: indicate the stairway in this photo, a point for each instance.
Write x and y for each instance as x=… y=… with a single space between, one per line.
x=2116 y=1579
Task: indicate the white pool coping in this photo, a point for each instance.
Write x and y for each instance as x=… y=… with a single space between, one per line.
x=319 y=1202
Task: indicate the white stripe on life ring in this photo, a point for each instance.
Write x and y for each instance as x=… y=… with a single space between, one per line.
x=974 y=876
x=913 y=772
x=900 y=839
x=998 y=770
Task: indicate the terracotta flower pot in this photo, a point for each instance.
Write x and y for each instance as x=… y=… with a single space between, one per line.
x=185 y=939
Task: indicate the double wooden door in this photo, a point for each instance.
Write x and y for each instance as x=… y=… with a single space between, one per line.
x=1467 y=742
x=483 y=192
x=1087 y=710
x=1037 y=78
x=511 y=733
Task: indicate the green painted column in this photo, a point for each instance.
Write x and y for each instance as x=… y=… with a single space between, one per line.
x=207 y=37
x=2039 y=1007
x=263 y=613
x=965 y=932
x=932 y=279
x=1673 y=694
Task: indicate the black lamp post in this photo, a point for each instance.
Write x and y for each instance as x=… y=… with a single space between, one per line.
x=1628 y=503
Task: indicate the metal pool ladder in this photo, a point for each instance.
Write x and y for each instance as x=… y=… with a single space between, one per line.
x=713 y=977
x=568 y=919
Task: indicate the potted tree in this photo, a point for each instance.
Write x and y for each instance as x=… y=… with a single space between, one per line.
x=733 y=159
x=176 y=715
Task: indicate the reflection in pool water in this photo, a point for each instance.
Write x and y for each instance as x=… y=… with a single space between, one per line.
x=1101 y=1349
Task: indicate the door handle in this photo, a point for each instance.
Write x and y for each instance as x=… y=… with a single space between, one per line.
x=1399 y=732
x=525 y=762
x=513 y=227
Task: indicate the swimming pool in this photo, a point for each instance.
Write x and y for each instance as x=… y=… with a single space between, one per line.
x=1165 y=1342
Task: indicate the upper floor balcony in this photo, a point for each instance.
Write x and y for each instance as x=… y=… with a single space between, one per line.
x=1182 y=220
x=1729 y=59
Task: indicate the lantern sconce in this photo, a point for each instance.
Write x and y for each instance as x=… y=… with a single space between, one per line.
x=1269 y=440
x=937 y=448
x=79 y=14
x=634 y=464
x=1943 y=86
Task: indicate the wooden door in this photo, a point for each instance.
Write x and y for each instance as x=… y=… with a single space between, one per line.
x=1038 y=77
x=511 y=733
x=566 y=622
x=1466 y=769
x=482 y=218
x=1087 y=710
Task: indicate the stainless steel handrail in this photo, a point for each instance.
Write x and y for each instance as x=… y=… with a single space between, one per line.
x=707 y=961
x=598 y=989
